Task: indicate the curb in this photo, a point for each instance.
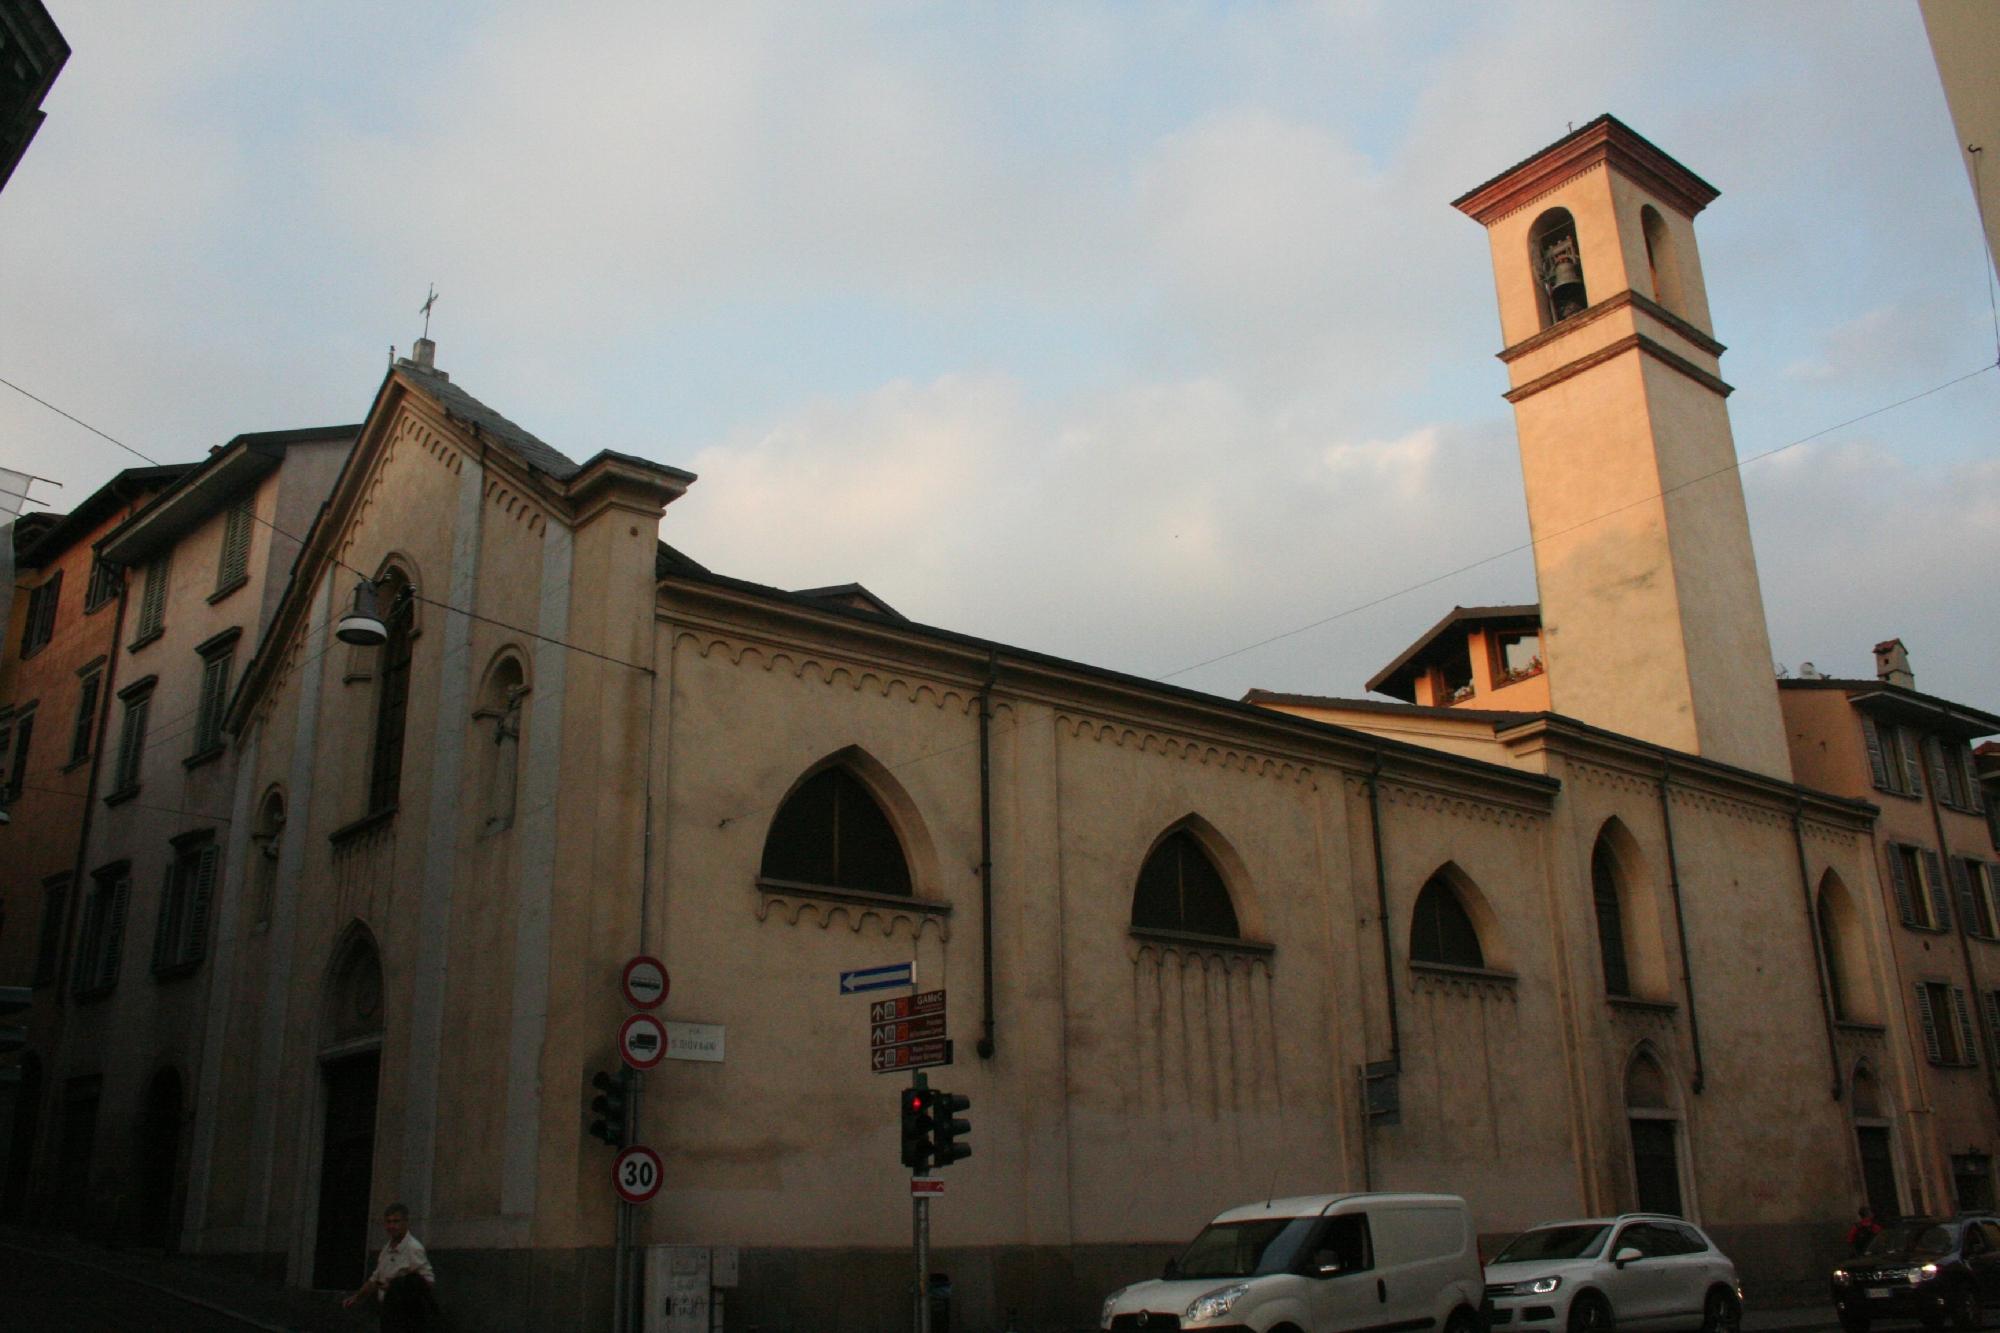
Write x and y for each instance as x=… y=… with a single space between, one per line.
x=150 y=1285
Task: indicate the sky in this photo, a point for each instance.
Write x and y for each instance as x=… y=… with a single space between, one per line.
x=1140 y=334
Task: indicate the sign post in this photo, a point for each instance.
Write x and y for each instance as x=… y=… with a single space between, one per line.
x=920 y=1229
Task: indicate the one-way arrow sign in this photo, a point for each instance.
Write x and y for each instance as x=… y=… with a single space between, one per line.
x=878 y=978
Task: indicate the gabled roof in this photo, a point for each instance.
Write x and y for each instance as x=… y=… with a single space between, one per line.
x=106 y=500
x=485 y=423
x=227 y=472
x=1399 y=677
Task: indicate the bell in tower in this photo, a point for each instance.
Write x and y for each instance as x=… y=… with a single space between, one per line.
x=1561 y=270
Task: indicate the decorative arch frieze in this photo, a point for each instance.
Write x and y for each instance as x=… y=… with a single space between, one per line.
x=1146 y=740
x=1437 y=802
x=796 y=908
x=808 y=666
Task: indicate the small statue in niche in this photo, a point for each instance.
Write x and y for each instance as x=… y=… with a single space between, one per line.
x=505 y=759
x=1562 y=275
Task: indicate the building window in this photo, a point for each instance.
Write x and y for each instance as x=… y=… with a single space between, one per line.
x=48 y=946
x=392 y=694
x=1610 y=921
x=40 y=626
x=182 y=936
x=1917 y=876
x=1895 y=762
x=85 y=729
x=1946 y=1020
x=831 y=833
x=16 y=770
x=101 y=936
x=153 y=603
x=138 y=699
x=1180 y=889
x=1974 y=881
x=233 y=568
x=1517 y=655
x=217 y=656
x=1441 y=930
x=104 y=583
x=1953 y=777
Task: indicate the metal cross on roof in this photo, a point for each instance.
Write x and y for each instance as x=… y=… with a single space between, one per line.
x=425 y=309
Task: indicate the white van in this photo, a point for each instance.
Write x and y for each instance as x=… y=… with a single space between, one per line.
x=1325 y=1263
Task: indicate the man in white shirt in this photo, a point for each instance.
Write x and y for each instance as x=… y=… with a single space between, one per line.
x=402 y=1279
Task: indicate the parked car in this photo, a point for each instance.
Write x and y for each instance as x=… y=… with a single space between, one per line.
x=1925 y=1268
x=1636 y=1271
x=1318 y=1264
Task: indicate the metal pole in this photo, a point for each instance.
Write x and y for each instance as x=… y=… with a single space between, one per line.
x=619 y=1322
x=922 y=1205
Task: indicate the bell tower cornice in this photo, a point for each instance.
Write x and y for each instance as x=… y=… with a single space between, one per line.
x=1606 y=141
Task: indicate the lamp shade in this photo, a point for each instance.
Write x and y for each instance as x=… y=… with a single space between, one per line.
x=362 y=626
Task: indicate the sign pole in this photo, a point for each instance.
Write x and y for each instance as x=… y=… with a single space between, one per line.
x=920 y=1236
x=634 y=1289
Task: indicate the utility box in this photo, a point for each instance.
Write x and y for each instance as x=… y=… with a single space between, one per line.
x=677 y=1289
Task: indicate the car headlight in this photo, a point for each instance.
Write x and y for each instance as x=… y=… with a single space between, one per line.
x=1841 y=1278
x=1216 y=1303
x=1923 y=1274
x=1541 y=1286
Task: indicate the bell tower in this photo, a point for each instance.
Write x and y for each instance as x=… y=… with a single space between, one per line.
x=1652 y=620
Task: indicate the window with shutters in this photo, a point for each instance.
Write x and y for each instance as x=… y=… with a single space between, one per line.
x=831 y=833
x=232 y=570
x=16 y=771
x=100 y=936
x=1946 y=1021
x=1953 y=776
x=138 y=700
x=1181 y=890
x=40 y=625
x=392 y=693
x=1895 y=760
x=103 y=586
x=84 y=730
x=1916 y=877
x=1991 y=999
x=181 y=939
x=48 y=945
x=1978 y=885
x=152 y=604
x=1441 y=930
x=217 y=656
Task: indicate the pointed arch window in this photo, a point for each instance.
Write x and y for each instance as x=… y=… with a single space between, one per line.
x=1180 y=889
x=1610 y=920
x=1441 y=930
x=831 y=832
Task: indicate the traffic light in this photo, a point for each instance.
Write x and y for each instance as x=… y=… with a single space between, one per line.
x=13 y=999
x=946 y=1127
x=612 y=1107
x=916 y=1104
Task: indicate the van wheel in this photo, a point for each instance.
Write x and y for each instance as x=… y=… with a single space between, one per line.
x=1964 y=1307
x=1591 y=1313
x=1462 y=1321
x=1721 y=1312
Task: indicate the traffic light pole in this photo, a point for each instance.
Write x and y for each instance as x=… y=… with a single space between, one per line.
x=920 y=1241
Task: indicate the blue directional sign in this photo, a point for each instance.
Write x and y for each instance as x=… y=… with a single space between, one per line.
x=878 y=978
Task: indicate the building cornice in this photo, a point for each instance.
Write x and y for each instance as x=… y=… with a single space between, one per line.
x=1606 y=140
x=1610 y=351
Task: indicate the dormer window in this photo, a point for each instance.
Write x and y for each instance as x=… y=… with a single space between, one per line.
x=1516 y=656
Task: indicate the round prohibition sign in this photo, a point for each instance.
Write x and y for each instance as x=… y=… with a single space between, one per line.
x=645 y=982
x=642 y=1041
x=636 y=1174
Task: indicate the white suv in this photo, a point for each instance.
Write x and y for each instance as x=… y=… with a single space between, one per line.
x=1318 y=1264
x=1634 y=1272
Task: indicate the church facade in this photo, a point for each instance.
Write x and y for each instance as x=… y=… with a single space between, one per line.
x=1563 y=960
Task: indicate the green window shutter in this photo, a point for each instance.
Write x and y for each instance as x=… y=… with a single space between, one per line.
x=197 y=912
x=1975 y=798
x=1992 y=999
x=132 y=743
x=1928 y=1022
x=214 y=695
x=235 y=562
x=170 y=910
x=86 y=718
x=114 y=933
x=1878 y=767
x=1968 y=1044
x=1961 y=884
x=1913 y=762
x=153 y=602
x=1940 y=894
x=1899 y=879
x=1934 y=760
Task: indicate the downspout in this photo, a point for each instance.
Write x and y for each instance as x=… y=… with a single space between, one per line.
x=1819 y=952
x=986 y=1045
x=1382 y=912
x=1680 y=926
x=1964 y=948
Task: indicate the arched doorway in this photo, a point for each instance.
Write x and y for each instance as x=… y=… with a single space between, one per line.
x=159 y=1158
x=350 y=1066
x=1655 y=1129
x=1871 y=1135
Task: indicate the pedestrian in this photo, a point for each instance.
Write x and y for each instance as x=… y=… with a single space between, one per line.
x=1865 y=1229
x=402 y=1280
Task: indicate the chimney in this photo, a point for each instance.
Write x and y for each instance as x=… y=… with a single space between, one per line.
x=1892 y=664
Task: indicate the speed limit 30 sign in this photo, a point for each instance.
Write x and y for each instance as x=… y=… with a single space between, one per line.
x=636 y=1174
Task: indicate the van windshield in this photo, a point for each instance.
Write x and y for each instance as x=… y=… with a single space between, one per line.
x=1246 y=1249
x=1546 y=1243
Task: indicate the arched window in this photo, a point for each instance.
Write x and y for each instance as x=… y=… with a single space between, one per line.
x=1662 y=263
x=1610 y=920
x=832 y=832
x=1655 y=1130
x=1180 y=889
x=1441 y=930
x=498 y=718
x=266 y=840
x=1557 y=264
x=392 y=690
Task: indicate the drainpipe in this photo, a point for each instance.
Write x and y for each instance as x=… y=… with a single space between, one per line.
x=1382 y=911
x=1680 y=926
x=1964 y=947
x=986 y=1045
x=1812 y=933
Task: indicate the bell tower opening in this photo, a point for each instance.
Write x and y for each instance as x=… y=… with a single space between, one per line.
x=1558 y=267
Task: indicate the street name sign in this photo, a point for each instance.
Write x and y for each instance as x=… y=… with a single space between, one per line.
x=696 y=1041
x=910 y=1055
x=636 y=1174
x=906 y=1006
x=909 y=1029
x=645 y=982
x=885 y=977
x=642 y=1041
